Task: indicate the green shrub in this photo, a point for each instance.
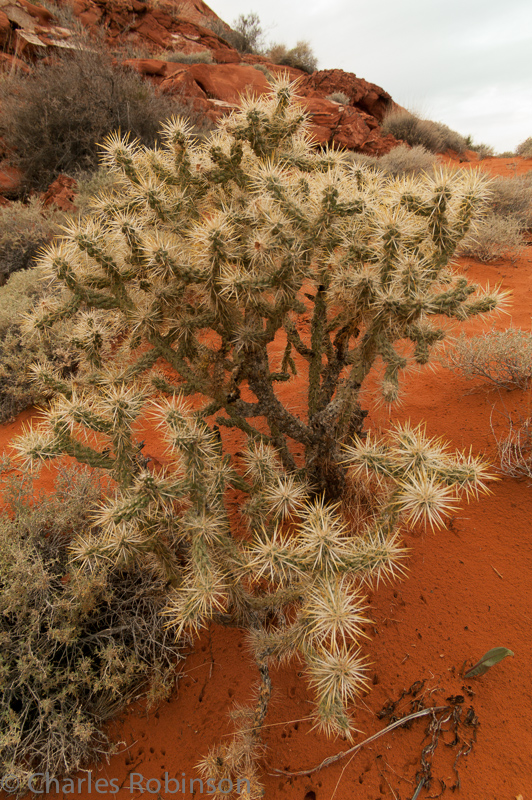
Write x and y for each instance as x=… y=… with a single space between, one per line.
x=339 y=97
x=433 y=136
x=300 y=57
x=75 y=646
x=502 y=357
x=52 y=125
x=405 y=160
x=24 y=229
x=525 y=148
x=201 y=57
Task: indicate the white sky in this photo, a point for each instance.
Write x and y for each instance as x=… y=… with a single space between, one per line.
x=467 y=63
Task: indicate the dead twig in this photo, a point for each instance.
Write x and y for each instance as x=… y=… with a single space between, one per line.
x=332 y=759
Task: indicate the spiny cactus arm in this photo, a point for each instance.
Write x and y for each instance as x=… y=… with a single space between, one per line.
x=193 y=381
x=337 y=678
x=50 y=442
x=332 y=614
x=44 y=374
x=379 y=554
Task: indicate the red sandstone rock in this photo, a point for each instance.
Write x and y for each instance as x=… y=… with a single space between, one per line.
x=147 y=66
x=345 y=126
x=227 y=81
x=366 y=96
x=9 y=63
x=10 y=179
x=61 y=193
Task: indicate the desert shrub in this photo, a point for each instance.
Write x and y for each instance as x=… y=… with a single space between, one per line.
x=405 y=160
x=501 y=233
x=201 y=57
x=24 y=229
x=53 y=126
x=339 y=97
x=206 y=254
x=300 y=57
x=514 y=446
x=493 y=238
x=246 y=35
x=483 y=150
x=525 y=148
x=265 y=71
x=412 y=130
x=18 y=352
x=75 y=646
x=450 y=140
x=433 y=136
x=502 y=357
x=512 y=198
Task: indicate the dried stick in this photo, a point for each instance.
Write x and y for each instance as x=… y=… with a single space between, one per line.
x=331 y=759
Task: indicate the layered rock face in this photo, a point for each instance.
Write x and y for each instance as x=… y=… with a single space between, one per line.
x=145 y=34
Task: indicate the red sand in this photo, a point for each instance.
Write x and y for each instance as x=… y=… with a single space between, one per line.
x=468 y=590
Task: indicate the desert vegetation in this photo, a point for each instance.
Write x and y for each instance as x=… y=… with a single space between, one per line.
x=415 y=131
x=51 y=127
x=178 y=285
x=248 y=297
x=76 y=646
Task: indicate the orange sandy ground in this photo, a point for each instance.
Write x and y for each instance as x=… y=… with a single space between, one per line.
x=468 y=589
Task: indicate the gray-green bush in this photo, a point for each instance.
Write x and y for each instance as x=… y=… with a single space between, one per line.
x=433 y=136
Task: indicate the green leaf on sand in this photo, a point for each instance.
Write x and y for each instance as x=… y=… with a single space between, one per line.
x=488 y=660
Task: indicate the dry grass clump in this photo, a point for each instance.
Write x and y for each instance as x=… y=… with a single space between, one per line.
x=24 y=229
x=405 y=160
x=525 y=148
x=339 y=97
x=495 y=237
x=433 y=136
x=75 y=646
x=502 y=357
x=300 y=57
x=514 y=446
x=52 y=125
x=500 y=233
x=512 y=197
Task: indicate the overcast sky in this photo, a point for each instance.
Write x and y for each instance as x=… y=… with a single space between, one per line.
x=467 y=63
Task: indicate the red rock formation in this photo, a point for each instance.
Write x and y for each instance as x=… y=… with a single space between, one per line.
x=367 y=97
x=61 y=193
x=156 y=28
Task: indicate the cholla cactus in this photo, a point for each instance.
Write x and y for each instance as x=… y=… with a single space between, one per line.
x=208 y=252
x=205 y=255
